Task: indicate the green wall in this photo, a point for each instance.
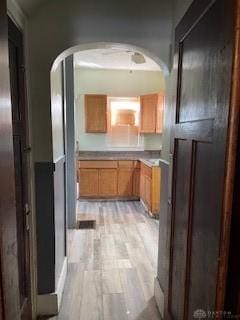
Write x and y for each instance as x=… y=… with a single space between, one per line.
x=112 y=83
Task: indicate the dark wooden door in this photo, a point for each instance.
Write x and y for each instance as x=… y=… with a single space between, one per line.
x=202 y=67
x=1 y=297
x=17 y=84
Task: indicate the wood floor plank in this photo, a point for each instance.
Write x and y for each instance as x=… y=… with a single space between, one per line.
x=73 y=293
x=138 y=311
x=107 y=246
x=109 y=263
x=111 y=281
x=91 y=303
x=131 y=285
x=124 y=264
x=112 y=267
x=114 y=307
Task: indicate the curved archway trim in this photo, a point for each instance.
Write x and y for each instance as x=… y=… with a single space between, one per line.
x=109 y=45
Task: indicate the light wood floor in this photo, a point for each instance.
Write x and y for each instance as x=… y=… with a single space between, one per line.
x=112 y=268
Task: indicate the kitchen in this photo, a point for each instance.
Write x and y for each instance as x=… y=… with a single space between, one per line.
x=118 y=127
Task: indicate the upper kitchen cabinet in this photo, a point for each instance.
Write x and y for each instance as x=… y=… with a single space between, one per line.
x=151 y=115
x=160 y=108
x=96 y=113
x=148 y=113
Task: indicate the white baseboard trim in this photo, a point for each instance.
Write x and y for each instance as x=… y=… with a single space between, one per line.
x=61 y=281
x=49 y=304
x=159 y=297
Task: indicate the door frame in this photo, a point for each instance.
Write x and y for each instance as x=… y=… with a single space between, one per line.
x=29 y=189
x=8 y=261
x=231 y=169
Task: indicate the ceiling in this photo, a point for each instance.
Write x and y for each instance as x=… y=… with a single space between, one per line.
x=118 y=59
x=30 y=6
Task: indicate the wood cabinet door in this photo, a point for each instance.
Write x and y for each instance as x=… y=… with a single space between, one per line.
x=148 y=192
x=89 y=185
x=96 y=113
x=148 y=113
x=160 y=110
x=136 y=182
x=125 y=182
x=107 y=182
x=155 y=185
x=142 y=186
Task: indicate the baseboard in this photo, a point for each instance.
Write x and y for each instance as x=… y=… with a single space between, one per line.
x=49 y=304
x=61 y=281
x=109 y=199
x=159 y=297
x=152 y=215
x=144 y=205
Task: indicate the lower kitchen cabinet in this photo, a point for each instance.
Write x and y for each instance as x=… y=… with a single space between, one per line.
x=145 y=185
x=125 y=182
x=142 y=187
x=108 y=182
x=107 y=179
x=121 y=179
x=148 y=192
x=156 y=190
x=150 y=188
x=89 y=186
x=136 y=182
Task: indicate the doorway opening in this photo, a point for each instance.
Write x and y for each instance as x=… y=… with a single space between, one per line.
x=117 y=100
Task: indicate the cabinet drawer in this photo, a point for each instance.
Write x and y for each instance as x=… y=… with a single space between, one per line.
x=98 y=164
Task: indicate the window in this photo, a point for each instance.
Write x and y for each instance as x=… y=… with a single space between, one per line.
x=124 y=122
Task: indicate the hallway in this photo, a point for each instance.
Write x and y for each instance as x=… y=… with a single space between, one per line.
x=112 y=267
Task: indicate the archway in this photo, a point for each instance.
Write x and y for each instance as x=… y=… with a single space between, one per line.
x=59 y=155
x=111 y=45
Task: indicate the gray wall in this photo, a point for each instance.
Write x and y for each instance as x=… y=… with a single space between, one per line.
x=56 y=27
x=180 y=7
x=50 y=195
x=70 y=143
x=58 y=143
x=45 y=225
x=57 y=112
x=59 y=216
x=63 y=24
x=60 y=25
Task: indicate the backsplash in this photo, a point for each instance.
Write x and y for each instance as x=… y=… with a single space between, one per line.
x=133 y=155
